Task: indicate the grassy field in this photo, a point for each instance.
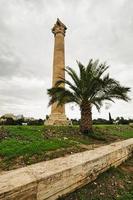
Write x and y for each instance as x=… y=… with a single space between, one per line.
x=114 y=184
x=24 y=145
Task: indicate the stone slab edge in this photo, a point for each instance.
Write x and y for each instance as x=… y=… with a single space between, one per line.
x=51 y=179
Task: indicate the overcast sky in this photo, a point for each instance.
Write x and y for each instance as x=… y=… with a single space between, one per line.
x=96 y=29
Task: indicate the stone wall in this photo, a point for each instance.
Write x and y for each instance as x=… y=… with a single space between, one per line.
x=51 y=179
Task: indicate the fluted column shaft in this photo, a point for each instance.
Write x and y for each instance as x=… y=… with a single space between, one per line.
x=58 y=67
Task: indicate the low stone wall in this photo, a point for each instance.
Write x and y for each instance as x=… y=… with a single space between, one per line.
x=51 y=179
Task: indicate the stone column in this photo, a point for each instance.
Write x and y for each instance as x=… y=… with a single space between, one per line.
x=57 y=116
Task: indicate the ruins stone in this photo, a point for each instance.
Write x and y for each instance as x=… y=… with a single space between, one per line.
x=58 y=116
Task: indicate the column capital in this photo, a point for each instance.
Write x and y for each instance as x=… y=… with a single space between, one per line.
x=59 y=27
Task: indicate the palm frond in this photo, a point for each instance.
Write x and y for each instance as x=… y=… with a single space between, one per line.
x=72 y=73
x=90 y=85
x=73 y=87
x=61 y=96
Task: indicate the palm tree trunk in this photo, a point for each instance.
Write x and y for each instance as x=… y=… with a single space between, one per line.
x=86 y=118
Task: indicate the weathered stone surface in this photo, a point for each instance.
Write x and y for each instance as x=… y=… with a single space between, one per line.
x=57 y=116
x=57 y=119
x=50 y=179
x=18 y=184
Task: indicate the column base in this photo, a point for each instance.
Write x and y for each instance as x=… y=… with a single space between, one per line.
x=57 y=119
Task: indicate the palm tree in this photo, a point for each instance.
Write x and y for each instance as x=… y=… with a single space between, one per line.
x=88 y=88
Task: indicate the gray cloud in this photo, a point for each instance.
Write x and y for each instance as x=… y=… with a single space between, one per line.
x=96 y=29
x=9 y=63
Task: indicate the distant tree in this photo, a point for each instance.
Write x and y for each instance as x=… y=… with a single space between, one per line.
x=100 y=121
x=19 y=121
x=121 y=120
x=36 y=122
x=75 y=121
x=47 y=117
x=9 y=121
x=40 y=122
x=110 y=119
x=130 y=120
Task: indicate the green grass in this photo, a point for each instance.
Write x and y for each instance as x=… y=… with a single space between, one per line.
x=123 y=131
x=13 y=148
x=126 y=196
x=24 y=145
x=27 y=142
x=25 y=132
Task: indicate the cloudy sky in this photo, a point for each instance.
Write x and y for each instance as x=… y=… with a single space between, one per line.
x=96 y=29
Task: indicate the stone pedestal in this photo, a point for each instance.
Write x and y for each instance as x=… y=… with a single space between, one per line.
x=58 y=120
x=57 y=116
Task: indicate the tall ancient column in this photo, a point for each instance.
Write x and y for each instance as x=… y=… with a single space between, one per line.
x=57 y=116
